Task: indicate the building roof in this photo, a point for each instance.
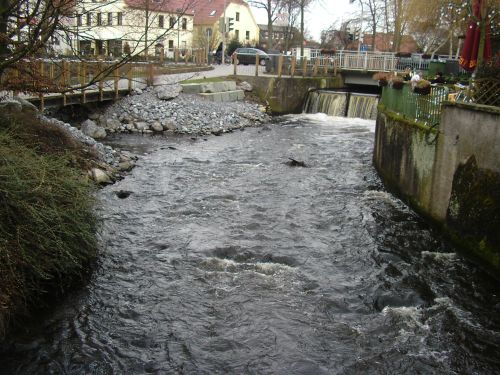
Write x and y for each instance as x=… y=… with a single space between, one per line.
x=165 y=6
x=207 y=12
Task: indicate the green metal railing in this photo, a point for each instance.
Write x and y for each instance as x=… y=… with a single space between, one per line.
x=421 y=108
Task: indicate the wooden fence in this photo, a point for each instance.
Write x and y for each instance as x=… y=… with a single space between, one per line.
x=46 y=77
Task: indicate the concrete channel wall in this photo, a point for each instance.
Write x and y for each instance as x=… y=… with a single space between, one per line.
x=451 y=176
x=287 y=95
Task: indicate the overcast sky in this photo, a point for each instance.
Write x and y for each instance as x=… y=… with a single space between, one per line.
x=321 y=14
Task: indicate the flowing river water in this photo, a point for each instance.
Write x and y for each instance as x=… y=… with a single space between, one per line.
x=226 y=259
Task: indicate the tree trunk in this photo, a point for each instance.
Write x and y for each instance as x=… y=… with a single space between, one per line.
x=302 y=6
x=269 y=27
x=398 y=25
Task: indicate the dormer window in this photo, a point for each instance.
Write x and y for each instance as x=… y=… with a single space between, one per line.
x=212 y=13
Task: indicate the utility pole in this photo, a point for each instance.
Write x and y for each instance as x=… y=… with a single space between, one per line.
x=223 y=57
x=146 y=31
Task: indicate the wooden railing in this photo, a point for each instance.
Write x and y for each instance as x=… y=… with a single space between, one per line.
x=47 y=77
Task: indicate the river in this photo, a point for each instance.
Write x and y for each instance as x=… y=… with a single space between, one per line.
x=226 y=259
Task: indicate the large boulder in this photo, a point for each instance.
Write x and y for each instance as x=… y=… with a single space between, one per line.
x=91 y=129
x=112 y=123
x=27 y=107
x=100 y=176
x=156 y=126
x=141 y=125
x=168 y=125
x=168 y=92
x=245 y=86
x=10 y=107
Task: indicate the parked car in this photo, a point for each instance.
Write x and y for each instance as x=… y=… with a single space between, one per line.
x=247 y=56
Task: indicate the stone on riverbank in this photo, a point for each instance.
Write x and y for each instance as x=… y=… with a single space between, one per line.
x=91 y=129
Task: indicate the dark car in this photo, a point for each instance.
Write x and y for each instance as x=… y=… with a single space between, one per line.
x=248 y=56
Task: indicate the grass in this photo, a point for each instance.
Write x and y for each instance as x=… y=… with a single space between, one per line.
x=47 y=221
x=208 y=80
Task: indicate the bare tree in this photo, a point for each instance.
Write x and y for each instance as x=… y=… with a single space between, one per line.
x=27 y=26
x=273 y=8
x=291 y=10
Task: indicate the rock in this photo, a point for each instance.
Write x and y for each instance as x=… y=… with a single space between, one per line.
x=295 y=163
x=141 y=125
x=26 y=105
x=94 y=116
x=168 y=92
x=136 y=91
x=126 y=166
x=122 y=194
x=90 y=128
x=156 y=126
x=10 y=106
x=100 y=176
x=112 y=123
x=245 y=86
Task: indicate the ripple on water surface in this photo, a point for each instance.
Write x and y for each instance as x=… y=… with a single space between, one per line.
x=224 y=258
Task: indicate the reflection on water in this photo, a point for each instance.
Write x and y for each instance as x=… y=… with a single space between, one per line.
x=225 y=259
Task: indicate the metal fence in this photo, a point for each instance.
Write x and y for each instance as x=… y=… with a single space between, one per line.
x=326 y=63
x=422 y=108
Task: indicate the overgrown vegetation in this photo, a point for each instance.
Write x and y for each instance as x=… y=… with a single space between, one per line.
x=47 y=220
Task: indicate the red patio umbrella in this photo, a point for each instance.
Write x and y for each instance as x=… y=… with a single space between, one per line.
x=477 y=32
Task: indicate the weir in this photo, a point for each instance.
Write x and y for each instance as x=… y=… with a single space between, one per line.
x=342 y=103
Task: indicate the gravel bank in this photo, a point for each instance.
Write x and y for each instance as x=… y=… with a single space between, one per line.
x=184 y=114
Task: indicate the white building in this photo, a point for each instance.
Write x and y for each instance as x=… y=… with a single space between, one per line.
x=115 y=27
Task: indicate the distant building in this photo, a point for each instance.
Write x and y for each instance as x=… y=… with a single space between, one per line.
x=208 y=22
x=280 y=35
x=383 y=43
x=117 y=27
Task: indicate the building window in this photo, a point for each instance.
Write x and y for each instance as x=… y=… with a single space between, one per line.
x=170 y=44
x=247 y=35
x=119 y=18
x=79 y=20
x=161 y=21
x=171 y=22
x=110 y=19
x=89 y=19
x=99 y=19
x=184 y=23
x=237 y=16
x=237 y=34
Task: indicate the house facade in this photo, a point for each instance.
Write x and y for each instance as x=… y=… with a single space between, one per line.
x=209 y=20
x=283 y=37
x=116 y=27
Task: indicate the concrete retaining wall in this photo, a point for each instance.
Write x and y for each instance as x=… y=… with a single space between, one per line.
x=452 y=177
x=287 y=95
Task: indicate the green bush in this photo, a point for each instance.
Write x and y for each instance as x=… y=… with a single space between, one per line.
x=232 y=46
x=47 y=221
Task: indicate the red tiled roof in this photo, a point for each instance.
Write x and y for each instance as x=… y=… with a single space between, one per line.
x=203 y=9
x=166 y=6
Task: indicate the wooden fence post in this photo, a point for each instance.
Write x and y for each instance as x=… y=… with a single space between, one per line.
x=129 y=76
x=292 y=66
x=304 y=66
x=101 y=80
x=116 y=74
x=326 y=61
x=257 y=63
x=150 y=70
x=235 y=62
x=83 y=77
x=42 y=100
x=316 y=66
x=65 y=81
x=280 y=65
